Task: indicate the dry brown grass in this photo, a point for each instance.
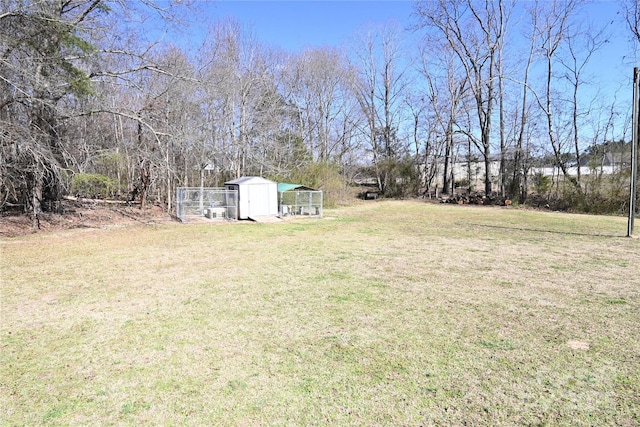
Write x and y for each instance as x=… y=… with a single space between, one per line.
x=386 y=313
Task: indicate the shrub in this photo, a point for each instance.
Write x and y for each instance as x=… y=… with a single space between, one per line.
x=462 y=183
x=541 y=183
x=321 y=176
x=92 y=185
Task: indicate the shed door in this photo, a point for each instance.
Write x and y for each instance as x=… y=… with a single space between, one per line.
x=258 y=199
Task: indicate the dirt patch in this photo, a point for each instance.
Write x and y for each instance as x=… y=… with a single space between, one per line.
x=82 y=215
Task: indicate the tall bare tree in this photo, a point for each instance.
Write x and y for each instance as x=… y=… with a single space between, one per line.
x=446 y=89
x=552 y=22
x=475 y=33
x=318 y=87
x=520 y=169
x=580 y=48
x=380 y=89
x=241 y=98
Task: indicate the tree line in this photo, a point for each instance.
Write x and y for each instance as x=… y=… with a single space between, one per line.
x=90 y=104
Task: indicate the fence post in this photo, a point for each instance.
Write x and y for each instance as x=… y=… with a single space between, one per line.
x=634 y=152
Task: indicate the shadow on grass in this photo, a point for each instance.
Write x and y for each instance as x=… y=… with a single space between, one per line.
x=538 y=230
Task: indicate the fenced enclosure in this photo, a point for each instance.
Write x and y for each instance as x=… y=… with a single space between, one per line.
x=300 y=202
x=211 y=203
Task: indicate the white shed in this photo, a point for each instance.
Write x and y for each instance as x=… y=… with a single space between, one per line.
x=256 y=196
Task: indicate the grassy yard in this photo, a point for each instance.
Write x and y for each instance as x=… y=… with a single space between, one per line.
x=385 y=313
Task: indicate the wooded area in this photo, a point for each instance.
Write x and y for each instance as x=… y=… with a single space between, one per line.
x=92 y=105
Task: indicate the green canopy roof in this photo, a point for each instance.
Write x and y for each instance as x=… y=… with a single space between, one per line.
x=283 y=186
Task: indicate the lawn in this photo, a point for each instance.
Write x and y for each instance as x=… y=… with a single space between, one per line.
x=384 y=313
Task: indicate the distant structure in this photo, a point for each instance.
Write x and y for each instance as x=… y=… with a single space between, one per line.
x=296 y=199
x=257 y=197
x=196 y=203
x=249 y=197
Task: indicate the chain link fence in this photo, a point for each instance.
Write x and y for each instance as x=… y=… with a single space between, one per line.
x=300 y=202
x=211 y=203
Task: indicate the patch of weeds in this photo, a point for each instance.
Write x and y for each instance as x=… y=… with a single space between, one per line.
x=376 y=282
x=497 y=344
x=296 y=228
x=505 y=283
x=340 y=349
x=340 y=298
x=562 y=267
x=372 y=231
x=235 y=385
x=453 y=393
x=357 y=296
x=55 y=412
x=628 y=381
x=350 y=220
x=308 y=384
x=132 y=408
x=616 y=301
x=258 y=405
x=343 y=256
x=475 y=250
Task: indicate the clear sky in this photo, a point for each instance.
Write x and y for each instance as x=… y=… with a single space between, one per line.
x=295 y=25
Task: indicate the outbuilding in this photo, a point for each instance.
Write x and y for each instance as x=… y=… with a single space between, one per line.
x=296 y=199
x=257 y=196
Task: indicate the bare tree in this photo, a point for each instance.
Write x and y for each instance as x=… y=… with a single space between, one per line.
x=380 y=89
x=552 y=21
x=241 y=93
x=580 y=47
x=501 y=24
x=520 y=169
x=446 y=88
x=631 y=13
x=475 y=33
x=317 y=86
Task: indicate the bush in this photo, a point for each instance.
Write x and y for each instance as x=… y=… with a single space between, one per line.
x=600 y=194
x=325 y=177
x=92 y=185
x=600 y=202
x=541 y=183
x=462 y=183
x=402 y=178
x=320 y=176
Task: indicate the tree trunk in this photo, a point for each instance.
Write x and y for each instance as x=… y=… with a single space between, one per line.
x=36 y=199
x=487 y=170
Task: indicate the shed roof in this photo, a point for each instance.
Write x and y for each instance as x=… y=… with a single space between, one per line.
x=283 y=186
x=250 y=180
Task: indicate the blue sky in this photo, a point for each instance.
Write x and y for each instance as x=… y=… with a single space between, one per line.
x=296 y=25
